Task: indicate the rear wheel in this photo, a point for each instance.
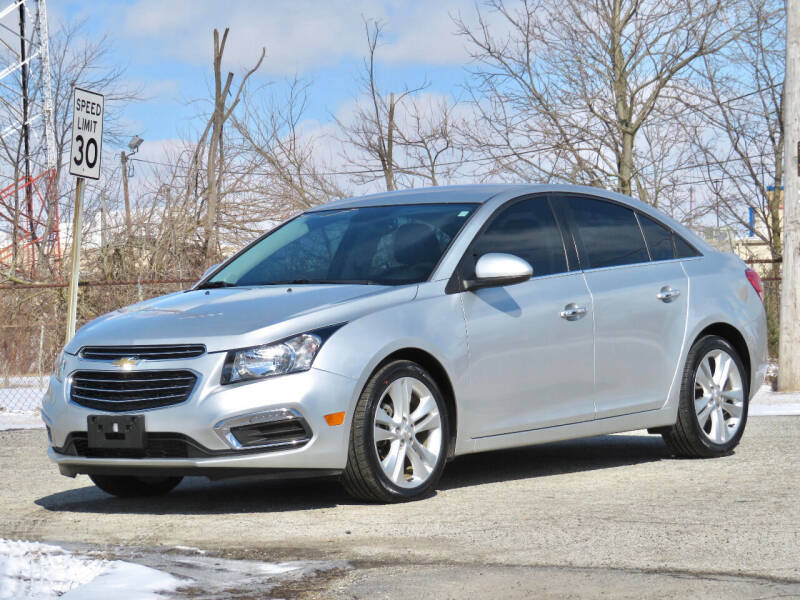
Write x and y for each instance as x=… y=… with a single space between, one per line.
x=398 y=440
x=713 y=404
x=128 y=486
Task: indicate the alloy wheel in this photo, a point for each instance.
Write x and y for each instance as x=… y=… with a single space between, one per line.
x=718 y=396
x=407 y=432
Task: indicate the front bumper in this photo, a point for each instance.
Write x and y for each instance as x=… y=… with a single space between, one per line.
x=313 y=394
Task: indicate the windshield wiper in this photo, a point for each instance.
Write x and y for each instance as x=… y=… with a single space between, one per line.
x=215 y=284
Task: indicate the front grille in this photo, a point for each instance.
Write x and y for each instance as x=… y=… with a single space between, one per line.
x=157 y=445
x=143 y=352
x=130 y=390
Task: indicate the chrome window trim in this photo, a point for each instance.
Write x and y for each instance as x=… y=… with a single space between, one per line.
x=641 y=264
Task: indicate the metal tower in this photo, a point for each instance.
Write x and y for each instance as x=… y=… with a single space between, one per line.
x=28 y=228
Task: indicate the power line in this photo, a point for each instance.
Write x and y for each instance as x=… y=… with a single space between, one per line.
x=479 y=160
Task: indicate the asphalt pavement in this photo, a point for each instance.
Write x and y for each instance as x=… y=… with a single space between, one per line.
x=612 y=516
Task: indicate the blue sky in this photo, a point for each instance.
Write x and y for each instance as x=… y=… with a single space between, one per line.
x=167 y=47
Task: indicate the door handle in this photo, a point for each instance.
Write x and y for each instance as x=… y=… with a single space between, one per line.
x=668 y=294
x=573 y=312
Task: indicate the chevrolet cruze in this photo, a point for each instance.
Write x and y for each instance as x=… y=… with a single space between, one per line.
x=375 y=338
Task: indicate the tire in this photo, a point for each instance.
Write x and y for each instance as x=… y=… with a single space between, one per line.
x=711 y=418
x=408 y=461
x=127 y=486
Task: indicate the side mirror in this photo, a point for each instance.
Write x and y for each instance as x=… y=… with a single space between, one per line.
x=208 y=272
x=495 y=269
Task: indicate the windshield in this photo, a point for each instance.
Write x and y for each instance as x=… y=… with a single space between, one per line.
x=387 y=245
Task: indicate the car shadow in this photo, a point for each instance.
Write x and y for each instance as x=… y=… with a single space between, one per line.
x=557 y=458
x=197 y=495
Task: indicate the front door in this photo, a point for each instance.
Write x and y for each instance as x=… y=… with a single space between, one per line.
x=530 y=344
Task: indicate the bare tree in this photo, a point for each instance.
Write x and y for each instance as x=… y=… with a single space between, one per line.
x=215 y=158
x=429 y=139
x=738 y=137
x=371 y=132
x=290 y=175
x=567 y=92
x=404 y=138
x=738 y=131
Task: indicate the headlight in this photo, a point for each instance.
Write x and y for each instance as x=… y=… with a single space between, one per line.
x=289 y=356
x=60 y=365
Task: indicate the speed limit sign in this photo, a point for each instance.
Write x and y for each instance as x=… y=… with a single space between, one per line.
x=87 y=134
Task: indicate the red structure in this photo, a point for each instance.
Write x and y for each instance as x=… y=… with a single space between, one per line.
x=31 y=223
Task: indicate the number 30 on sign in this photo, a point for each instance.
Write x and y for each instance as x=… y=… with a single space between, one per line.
x=87 y=134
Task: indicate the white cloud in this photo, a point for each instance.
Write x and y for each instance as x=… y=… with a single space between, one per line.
x=298 y=34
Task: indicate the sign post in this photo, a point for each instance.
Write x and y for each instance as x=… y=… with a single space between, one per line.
x=75 y=260
x=84 y=161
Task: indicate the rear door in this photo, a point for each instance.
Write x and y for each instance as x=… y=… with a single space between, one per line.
x=640 y=296
x=529 y=366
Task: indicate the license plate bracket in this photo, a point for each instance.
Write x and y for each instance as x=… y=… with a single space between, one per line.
x=115 y=431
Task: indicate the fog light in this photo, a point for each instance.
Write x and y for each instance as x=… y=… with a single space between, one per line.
x=275 y=429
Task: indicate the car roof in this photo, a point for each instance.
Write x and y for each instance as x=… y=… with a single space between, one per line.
x=445 y=194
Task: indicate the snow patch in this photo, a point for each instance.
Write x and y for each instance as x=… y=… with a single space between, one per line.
x=46 y=572
x=30 y=420
x=125 y=581
x=769 y=403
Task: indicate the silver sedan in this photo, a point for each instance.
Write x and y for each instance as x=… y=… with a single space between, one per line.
x=375 y=338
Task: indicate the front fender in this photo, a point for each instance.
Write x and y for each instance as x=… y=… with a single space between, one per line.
x=433 y=322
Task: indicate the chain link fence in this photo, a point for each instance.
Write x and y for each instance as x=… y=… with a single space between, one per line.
x=32 y=330
x=22 y=387
x=770 y=272
x=32 y=327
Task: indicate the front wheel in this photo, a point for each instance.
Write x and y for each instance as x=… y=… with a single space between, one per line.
x=128 y=486
x=398 y=440
x=714 y=400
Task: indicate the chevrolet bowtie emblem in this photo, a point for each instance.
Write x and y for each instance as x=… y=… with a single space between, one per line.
x=126 y=362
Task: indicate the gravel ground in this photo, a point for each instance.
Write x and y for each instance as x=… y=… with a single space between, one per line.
x=608 y=515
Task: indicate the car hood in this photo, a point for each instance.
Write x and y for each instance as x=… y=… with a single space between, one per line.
x=229 y=318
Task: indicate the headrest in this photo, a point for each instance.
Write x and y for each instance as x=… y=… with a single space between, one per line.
x=415 y=243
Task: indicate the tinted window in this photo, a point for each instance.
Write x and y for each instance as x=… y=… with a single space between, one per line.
x=659 y=239
x=383 y=244
x=683 y=248
x=609 y=233
x=526 y=229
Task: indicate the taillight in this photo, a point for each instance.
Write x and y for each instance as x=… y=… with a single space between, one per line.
x=755 y=281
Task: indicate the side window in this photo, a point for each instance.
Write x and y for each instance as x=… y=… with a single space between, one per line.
x=684 y=249
x=659 y=239
x=608 y=232
x=526 y=229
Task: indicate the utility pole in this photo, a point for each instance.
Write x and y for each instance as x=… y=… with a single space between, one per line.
x=789 y=360
x=124 y=159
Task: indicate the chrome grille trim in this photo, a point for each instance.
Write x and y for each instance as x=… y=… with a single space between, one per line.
x=150 y=352
x=130 y=390
x=188 y=377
